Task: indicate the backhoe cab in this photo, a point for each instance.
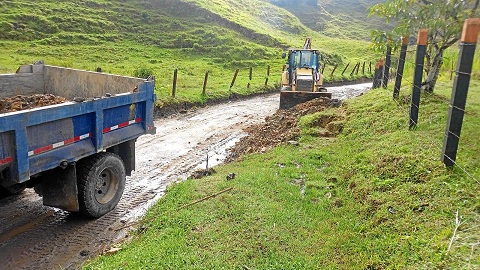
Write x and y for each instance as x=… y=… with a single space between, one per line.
x=302 y=79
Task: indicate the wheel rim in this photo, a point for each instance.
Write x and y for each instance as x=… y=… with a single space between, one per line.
x=106 y=186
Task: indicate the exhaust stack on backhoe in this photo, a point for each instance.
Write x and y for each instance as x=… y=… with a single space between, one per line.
x=301 y=78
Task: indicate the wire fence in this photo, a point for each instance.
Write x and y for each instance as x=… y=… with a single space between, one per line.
x=176 y=81
x=411 y=66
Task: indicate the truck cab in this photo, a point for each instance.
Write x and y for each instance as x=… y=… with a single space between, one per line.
x=302 y=71
x=302 y=78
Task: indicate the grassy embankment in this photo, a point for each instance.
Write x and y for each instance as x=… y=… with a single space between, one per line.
x=149 y=37
x=344 y=19
x=375 y=197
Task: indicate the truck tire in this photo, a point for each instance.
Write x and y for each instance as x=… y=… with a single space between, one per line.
x=101 y=181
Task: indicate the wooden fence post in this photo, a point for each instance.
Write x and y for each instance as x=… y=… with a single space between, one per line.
x=400 y=67
x=354 y=69
x=363 y=68
x=388 y=63
x=174 y=88
x=250 y=72
x=377 y=77
x=461 y=83
x=370 y=68
x=234 y=78
x=345 y=69
x=417 y=78
x=204 y=91
x=334 y=68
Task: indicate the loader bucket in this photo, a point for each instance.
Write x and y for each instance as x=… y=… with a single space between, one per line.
x=289 y=99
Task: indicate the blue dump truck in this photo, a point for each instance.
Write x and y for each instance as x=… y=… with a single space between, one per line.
x=76 y=154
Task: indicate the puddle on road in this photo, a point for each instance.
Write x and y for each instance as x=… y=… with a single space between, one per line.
x=218 y=152
x=348 y=91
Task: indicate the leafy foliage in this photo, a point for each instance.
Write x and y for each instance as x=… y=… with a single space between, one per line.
x=443 y=19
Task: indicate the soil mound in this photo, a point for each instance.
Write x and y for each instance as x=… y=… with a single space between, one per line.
x=279 y=128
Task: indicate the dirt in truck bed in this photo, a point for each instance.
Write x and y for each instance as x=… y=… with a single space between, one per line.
x=21 y=102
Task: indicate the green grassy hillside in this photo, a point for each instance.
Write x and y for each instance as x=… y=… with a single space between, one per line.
x=335 y=18
x=138 y=37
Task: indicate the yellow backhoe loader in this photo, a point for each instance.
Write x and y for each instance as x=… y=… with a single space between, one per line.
x=302 y=79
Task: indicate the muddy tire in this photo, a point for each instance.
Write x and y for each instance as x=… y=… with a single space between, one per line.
x=101 y=181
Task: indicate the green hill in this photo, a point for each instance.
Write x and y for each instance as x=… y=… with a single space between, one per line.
x=335 y=18
x=138 y=37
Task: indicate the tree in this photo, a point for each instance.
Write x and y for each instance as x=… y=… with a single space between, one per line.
x=443 y=19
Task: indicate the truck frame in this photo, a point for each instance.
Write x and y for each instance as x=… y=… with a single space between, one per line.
x=76 y=154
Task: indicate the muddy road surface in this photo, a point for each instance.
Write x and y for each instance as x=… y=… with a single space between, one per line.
x=33 y=236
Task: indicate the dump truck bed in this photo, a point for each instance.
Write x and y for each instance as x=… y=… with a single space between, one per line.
x=108 y=110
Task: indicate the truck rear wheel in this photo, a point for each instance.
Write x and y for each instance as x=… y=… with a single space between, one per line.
x=101 y=181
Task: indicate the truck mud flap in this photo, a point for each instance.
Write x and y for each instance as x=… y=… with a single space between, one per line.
x=289 y=99
x=59 y=189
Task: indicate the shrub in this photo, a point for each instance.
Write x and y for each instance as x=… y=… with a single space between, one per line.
x=142 y=72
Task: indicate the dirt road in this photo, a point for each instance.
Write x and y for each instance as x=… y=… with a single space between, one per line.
x=33 y=236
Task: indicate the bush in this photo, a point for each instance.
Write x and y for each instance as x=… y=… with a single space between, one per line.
x=142 y=72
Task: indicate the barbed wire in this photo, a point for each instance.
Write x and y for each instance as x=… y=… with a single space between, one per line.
x=434 y=144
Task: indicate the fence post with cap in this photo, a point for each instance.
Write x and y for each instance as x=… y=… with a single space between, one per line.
x=461 y=83
x=400 y=67
x=386 y=70
x=417 y=77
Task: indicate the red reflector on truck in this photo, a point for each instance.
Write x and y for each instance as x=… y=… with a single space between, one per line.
x=6 y=160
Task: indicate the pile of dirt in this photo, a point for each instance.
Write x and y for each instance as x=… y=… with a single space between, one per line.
x=279 y=128
x=21 y=102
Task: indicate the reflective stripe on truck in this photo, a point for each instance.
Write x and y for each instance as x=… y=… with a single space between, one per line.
x=59 y=144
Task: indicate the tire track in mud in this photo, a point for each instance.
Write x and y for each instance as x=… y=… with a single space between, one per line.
x=33 y=236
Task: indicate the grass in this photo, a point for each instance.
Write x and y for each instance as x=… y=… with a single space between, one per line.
x=346 y=19
x=375 y=197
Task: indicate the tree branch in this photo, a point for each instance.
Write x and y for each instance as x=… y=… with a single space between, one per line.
x=426 y=2
x=450 y=43
x=474 y=8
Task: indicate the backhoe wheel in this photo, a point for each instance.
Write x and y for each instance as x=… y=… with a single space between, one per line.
x=101 y=181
